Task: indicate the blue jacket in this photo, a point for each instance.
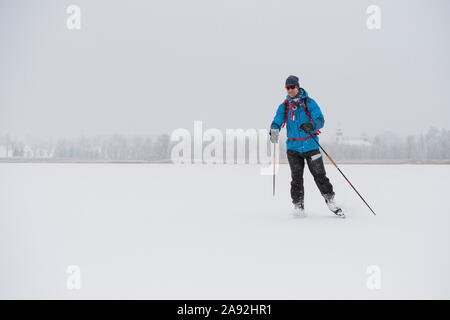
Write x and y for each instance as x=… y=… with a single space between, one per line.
x=293 y=126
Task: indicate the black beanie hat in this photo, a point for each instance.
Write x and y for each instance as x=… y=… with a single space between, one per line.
x=292 y=80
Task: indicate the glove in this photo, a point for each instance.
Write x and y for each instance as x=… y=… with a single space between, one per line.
x=274 y=133
x=307 y=127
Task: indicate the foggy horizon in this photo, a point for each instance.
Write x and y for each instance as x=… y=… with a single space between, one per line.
x=325 y=136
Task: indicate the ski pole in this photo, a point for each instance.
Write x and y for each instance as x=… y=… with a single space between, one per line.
x=273 y=184
x=312 y=136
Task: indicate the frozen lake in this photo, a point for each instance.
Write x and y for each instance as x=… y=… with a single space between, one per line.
x=210 y=231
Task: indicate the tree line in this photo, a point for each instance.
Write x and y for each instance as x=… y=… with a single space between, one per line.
x=434 y=145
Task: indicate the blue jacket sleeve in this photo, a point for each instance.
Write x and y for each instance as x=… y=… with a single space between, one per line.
x=316 y=115
x=278 y=120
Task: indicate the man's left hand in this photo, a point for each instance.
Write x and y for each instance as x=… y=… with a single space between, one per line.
x=307 y=127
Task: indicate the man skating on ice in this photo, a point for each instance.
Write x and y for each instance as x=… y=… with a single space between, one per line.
x=301 y=122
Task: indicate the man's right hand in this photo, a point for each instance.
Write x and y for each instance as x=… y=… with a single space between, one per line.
x=274 y=133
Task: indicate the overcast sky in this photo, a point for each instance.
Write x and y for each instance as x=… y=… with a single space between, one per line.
x=146 y=67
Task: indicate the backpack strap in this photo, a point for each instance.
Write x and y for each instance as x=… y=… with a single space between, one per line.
x=305 y=107
x=286 y=107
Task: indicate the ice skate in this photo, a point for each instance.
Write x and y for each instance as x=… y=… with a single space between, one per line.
x=299 y=210
x=329 y=200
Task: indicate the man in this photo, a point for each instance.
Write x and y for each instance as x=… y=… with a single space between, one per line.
x=303 y=118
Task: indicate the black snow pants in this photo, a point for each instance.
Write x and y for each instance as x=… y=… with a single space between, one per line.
x=315 y=164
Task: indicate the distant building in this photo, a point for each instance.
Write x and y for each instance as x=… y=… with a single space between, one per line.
x=340 y=139
x=21 y=151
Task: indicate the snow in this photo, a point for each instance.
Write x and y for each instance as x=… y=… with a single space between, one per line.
x=215 y=231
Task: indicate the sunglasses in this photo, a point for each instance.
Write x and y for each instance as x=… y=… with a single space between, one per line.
x=292 y=86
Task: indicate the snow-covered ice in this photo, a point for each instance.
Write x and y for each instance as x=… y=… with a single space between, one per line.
x=215 y=231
